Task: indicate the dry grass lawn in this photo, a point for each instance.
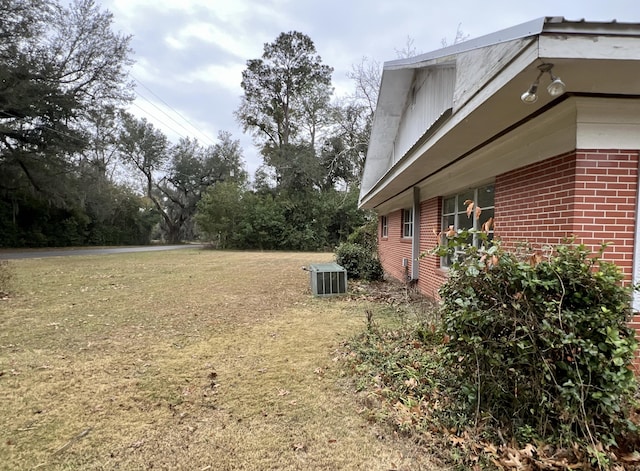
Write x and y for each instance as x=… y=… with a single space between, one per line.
x=194 y=360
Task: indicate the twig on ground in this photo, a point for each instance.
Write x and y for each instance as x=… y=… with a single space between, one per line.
x=84 y=433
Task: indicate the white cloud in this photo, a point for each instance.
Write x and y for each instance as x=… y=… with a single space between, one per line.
x=226 y=76
x=209 y=33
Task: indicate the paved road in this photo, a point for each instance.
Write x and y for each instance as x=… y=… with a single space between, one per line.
x=41 y=253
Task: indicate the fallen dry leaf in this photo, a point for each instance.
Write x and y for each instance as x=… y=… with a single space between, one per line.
x=631 y=457
x=528 y=450
x=137 y=444
x=411 y=383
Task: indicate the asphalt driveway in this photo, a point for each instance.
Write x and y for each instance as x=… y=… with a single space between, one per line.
x=11 y=254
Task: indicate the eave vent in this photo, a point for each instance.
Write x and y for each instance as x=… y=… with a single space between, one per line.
x=328 y=279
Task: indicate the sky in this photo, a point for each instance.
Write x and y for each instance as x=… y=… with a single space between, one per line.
x=189 y=54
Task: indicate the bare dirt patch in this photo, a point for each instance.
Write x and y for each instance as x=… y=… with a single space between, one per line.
x=182 y=360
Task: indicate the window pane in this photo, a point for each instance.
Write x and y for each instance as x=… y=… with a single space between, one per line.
x=407 y=222
x=485 y=196
x=446 y=261
x=449 y=205
x=408 y=230
x=408 y=215
x=447 y=221
x=454 y=213
x=465 y=222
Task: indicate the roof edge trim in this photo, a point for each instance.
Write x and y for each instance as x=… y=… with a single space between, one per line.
x=531 y=28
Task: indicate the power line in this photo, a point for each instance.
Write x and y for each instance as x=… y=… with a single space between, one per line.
x=163 y=112
x=158 y=120
x=172 y=109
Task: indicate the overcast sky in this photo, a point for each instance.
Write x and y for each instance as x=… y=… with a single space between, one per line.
x=190 y=54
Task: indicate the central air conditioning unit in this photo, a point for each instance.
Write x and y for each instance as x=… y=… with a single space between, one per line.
x=328 y=279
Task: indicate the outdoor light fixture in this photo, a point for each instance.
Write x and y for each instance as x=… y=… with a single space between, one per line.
x=555 y=88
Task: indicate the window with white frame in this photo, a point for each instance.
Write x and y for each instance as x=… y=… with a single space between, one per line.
x=454 y=214
x=407 y=223
x=384 y=226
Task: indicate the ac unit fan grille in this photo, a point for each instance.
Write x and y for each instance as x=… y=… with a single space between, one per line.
x=328 y=279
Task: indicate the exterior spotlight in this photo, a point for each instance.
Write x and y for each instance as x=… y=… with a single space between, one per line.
x=555 y=88
x=530 y=96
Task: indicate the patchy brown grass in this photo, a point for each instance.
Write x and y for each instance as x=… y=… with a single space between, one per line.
x=198 y=360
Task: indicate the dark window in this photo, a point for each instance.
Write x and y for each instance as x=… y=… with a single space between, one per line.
x=407 y=223
x=454 y=214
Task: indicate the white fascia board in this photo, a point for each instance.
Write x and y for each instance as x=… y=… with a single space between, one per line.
x=554 y=46
x=528 y=29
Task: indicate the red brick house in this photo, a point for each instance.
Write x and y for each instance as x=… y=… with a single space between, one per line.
x=489 y=120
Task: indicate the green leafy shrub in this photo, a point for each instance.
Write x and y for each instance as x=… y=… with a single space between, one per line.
x=359 y=261
x=540 y=344
x=359 y=255
x=366 y=236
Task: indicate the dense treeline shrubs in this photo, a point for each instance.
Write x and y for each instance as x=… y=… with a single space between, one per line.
x=122 y=218
x=233 y=217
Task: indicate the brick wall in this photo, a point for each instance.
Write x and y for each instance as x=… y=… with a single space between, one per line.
x=394 y=248
x=589 y=194
x=431 y=276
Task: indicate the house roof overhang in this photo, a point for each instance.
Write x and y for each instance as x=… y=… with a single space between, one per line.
x=594 y=59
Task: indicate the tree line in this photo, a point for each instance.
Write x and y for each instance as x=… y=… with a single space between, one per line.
x=77 y=169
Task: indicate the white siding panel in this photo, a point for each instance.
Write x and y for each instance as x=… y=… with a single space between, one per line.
x=430 y=95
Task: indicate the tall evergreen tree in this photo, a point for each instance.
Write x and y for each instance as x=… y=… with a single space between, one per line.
x=285 y=102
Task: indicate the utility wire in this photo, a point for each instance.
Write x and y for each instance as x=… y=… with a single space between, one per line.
x=172 y=109
x=41 y=125
x=158 y=119
x=163 y=112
